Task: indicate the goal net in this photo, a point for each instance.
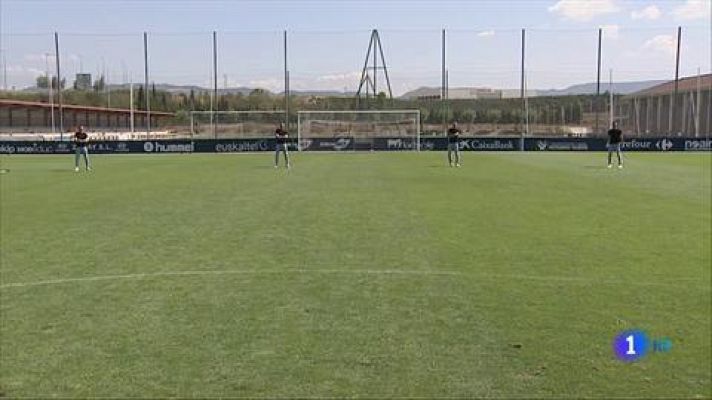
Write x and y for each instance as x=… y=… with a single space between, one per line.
x=235 y=124
x=359 y=130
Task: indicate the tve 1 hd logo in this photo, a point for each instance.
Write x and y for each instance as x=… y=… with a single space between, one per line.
x=633 y=345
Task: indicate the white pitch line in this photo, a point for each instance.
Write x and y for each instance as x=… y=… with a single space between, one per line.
x=547 y=280
x=225 y=272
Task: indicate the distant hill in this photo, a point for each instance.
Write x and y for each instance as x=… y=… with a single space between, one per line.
x=167 y=88
x=320 y=93
x=590 y=88
x=187 y=88
x=579 y=89
x=242 y=90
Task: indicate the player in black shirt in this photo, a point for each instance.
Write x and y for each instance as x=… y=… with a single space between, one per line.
x=615 y=138
x=80 y=143
x=281 y=137
x=453 y=144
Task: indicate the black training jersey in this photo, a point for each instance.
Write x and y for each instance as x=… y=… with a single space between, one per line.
x=281 y=136
x=615 y=136
x=453 y=135
x=80 y=139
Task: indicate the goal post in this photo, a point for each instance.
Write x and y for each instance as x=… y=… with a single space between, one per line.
x=235 y=124
x=359 y=130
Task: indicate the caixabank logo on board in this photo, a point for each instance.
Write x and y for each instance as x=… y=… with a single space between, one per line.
x=698 y=145
x=158 y=147
x=478 y=144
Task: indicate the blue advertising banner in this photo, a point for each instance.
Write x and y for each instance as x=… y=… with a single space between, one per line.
x=352 y=144
x=631 y=144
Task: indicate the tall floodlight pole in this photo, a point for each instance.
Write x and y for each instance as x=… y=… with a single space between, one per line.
x=375 y=74
x=610 y=99
x=215 y=81
x=526 y=105
x=4 y=71
x=367 y=83
x=385 y=69
x=2 y=54
x=443 y=90
x=286 y=84
x=699 y=103
x=131 y=107
x=107 y=83
x=709 y=94
x=59 y=87
x=522 y=93
x=50 y=94
x=145 y=81
x=442 y=67
x=677 y=78
x=598 y=77
x=364 y=75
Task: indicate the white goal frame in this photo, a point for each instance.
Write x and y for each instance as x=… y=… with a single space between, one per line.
x=415 y=112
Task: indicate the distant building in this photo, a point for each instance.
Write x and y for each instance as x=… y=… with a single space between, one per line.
x=656 y=111
x=426 y=93
x=28 y=116
x=82 y=81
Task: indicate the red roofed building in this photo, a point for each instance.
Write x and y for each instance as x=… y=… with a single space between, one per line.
x=24 y=116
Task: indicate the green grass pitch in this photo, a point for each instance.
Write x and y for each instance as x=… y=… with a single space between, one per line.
x=367 y=275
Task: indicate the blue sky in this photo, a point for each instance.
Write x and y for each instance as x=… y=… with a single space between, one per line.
x=328 y=39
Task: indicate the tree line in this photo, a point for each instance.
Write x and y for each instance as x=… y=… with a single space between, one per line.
x=540 y=110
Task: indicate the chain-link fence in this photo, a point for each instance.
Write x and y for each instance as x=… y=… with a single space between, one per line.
x=497 y=82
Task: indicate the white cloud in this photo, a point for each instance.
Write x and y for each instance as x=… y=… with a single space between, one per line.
x=25 y=71
x=486 y=34
x=271 y=84
x=611 y=31
x=662 y=43
x=349 y=77
x=651 y=12
x=336 y=81
x=583 y=10
x=692 y=9
x=36 y=58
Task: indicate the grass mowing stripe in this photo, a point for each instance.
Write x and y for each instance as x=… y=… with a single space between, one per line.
x=555 y=280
